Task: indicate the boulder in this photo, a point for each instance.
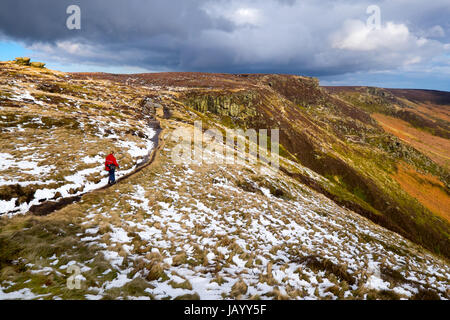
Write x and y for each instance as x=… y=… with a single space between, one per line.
x=37 y=64
x=25 y=61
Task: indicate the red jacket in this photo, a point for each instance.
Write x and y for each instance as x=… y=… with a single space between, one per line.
x=110 y=159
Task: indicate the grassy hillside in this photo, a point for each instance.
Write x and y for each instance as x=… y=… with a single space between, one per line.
x=211 y=230
x=336 y=139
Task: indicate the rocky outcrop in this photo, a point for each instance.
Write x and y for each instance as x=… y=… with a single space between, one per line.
x=36 y=64
x=237 y=105
x=25 y=61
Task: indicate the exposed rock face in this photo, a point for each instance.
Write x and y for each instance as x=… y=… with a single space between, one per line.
x=240 y=105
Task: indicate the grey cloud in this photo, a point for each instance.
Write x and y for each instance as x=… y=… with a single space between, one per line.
x=112 y=20
x=281 y=36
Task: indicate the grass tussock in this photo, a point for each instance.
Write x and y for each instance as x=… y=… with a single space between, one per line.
x=239 y=289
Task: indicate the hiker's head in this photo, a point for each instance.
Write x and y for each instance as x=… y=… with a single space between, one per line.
x=112 y=152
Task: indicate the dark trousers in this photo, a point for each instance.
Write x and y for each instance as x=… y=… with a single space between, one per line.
x=112 y=176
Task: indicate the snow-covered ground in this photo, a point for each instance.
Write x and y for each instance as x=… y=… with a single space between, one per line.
x=20 y=161
x=192 y=230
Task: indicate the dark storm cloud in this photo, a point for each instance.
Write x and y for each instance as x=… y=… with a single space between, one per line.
x=112 y=20
x=276 y=36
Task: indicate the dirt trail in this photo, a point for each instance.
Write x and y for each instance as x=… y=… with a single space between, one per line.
x=50 y=206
